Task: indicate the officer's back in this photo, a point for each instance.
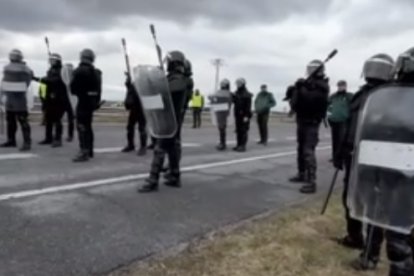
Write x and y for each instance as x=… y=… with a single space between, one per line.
x=86 y=80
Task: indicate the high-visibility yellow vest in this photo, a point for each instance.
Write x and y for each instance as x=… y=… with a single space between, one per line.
x=197 y=101
x=42 y=90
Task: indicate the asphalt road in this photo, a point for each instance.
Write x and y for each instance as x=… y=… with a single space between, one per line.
x=61 y=218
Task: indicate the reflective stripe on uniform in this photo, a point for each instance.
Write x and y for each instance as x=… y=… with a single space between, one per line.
x=8 y=86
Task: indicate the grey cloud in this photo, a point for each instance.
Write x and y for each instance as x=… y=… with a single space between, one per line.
x=380 y=19
x=24 y=15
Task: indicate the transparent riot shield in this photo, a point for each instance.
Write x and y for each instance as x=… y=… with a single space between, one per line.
x=381 y=188
x=66 y=74
x=152 y=88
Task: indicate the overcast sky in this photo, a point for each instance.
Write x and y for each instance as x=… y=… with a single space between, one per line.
x=264 y=41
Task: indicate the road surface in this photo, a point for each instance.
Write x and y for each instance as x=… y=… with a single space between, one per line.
x=61 y=218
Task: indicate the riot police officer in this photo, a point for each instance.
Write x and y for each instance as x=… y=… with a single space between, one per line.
x=178 y=83
x=221 y=104
x=55 y=102
x=87 y=86
x=310 y=103
x=136 y=115
x=377 y=71
x=14 y=87
x=242 y=100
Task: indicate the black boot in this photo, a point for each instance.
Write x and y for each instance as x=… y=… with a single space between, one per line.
x=82 y=156
x=150 y=186
x=69 y=139
x=299 y=178
x=142 y=151
x=362 y=263
x=91 y=153
x=128 y=148
x=310 y=186
x=221 y=147
x=26 y=147
x=57 y=144
x=9 y=144
x=45 y=142
x=172 y=180
x=241 y=149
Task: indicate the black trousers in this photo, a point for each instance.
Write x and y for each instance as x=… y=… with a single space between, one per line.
x=85 y=131
x=242 y=131
x=171 y=148
x=71 y=120
x=337 y=135
x=262 y=122
x=307 y=138
x=54 y=123
x=12 y=117
x=355 y=227
x=134 y=118
x=400 y=254
x=196 y=117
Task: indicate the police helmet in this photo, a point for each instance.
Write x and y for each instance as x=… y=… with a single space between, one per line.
x=240 y=82
x=87 y=56
x=16 y=55
x=379 y=67
x=313 y=66
x=225 y=84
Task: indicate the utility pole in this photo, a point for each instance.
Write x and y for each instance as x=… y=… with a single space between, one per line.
x=217 y=63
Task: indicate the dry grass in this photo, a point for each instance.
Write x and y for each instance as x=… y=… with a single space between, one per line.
x=296 y=243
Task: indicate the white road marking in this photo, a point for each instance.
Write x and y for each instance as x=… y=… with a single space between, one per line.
x=234 y=141
x=293 y=138
x=118 y=149
x=14 y=156
x=107 y=181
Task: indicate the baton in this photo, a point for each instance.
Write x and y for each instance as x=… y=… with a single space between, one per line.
x=331 y=188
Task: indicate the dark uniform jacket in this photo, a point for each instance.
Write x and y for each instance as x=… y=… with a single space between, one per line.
x=87 y=86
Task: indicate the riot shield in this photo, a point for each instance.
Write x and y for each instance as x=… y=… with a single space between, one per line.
x=220 y=109
x=381 y=189
x=66 y=74
x=153 y=90
x=30 y=95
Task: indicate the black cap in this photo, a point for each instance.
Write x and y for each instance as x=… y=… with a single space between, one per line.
x=341 y=83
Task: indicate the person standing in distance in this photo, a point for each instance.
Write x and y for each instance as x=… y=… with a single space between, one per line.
x=338 y=113
x=87 y=86
x=136 y=115
x=221 y=105
x=197 y=105
x=14 y=87
x=263 y=103
x=178 y=87
x=242 y=100
x=310 y=103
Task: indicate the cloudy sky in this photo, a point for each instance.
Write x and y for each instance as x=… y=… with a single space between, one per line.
x=264 y=41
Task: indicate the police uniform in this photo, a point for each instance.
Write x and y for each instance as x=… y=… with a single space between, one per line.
x=86 y=85
x=16 y=80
